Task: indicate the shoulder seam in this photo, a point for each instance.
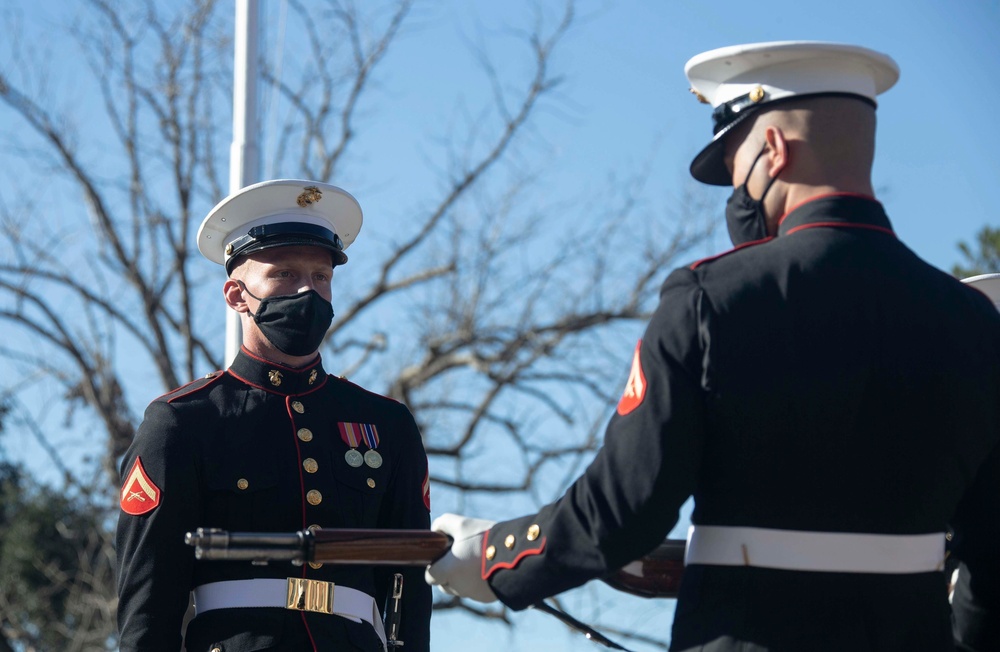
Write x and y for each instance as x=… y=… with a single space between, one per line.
x=190 y=387
x=709 y=259
x=341 y=379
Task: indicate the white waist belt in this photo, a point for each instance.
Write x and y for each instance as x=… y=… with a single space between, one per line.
x=292 y=593
x=838 y=552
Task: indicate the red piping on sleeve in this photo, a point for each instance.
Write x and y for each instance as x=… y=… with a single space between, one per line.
x=507 y=564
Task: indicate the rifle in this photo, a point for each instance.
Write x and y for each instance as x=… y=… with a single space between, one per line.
x=656 y=575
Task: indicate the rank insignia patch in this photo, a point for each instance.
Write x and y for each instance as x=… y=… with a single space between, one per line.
x=635 y=388
x=139 y=494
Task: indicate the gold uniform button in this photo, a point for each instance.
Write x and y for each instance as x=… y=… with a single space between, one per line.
x=305 y=434
x=491 y=552
x=310 y=465
x=315 y=565
x=218 y=649
x=371 y=483
x=533 y=532
x=314 y=497
x=242 y=483
x=509 y=542
x=298 y=407
x=314 y=527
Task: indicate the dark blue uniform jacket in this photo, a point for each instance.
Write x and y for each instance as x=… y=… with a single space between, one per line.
x=241 y=450
x=822 y=380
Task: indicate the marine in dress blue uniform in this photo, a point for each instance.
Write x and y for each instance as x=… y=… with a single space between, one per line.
x=269 y=446
x=831 y=402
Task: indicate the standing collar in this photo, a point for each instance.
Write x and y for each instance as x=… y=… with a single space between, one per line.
x=833 y=210
x=277 y=378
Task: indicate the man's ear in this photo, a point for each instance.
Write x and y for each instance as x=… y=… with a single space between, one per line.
x=777 y=156
x=233 y=293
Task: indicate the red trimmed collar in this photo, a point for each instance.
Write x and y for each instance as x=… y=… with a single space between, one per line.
x=841 y=209
x=277 y=378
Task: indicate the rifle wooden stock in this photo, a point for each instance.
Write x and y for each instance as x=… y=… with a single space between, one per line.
x=657 y=575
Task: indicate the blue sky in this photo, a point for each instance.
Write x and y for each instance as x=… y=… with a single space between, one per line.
x=624 y=104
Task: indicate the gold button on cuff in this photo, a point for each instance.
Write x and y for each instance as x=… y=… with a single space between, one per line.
x=315 y=565
x=310 y=465
x=371 y=483
x=314 y=527
x=509 y=542
x=314 y=497
x=298 y=407
x=218 y=649
x=491 y=552
x=305 y=434
x=533 y=532
x=242 y=483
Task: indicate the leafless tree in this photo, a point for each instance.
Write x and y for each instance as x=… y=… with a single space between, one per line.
x=496 y=316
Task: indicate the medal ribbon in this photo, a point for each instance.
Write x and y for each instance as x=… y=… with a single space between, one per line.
x=370 y=434
x=349 y=432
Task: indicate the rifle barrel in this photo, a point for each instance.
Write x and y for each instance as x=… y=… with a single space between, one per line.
x=656 y=575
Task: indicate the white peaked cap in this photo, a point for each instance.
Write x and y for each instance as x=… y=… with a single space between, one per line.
x=280 y=213
x=740 y=79
x=988 y=284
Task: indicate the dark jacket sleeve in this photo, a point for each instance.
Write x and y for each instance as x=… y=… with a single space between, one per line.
x=627 y=500
x=976 y=601
x=154 y=563
x=407 y=507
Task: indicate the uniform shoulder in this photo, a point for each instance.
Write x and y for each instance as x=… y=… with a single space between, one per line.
x=738 y=250
x=191 y=388
x=344 y=385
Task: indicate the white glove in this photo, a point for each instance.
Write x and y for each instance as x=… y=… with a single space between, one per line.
x=459 y=572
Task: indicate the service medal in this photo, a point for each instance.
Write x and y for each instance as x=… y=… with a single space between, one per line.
x=353 y=458
x=372 y=458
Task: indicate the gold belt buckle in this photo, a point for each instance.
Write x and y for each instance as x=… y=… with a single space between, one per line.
x=309 y=595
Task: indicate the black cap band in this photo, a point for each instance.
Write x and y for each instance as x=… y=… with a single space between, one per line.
x=281 y=234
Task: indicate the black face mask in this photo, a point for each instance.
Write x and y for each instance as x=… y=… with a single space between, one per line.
x=294 y=323
x=745 y=216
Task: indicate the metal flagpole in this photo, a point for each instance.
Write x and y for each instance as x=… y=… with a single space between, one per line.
x=244 y=155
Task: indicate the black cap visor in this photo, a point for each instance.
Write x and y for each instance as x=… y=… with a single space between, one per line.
x=709 y=166
x=285 y=234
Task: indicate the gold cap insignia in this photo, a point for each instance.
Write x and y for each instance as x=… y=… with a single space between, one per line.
x=757 y=94
x=310 y=195
x=701 y=98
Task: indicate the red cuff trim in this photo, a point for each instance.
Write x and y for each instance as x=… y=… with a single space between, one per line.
x=507 y=564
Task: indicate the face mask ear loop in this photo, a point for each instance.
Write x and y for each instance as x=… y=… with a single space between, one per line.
x=747 y=180
x=754 y=164
x=245 y=289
